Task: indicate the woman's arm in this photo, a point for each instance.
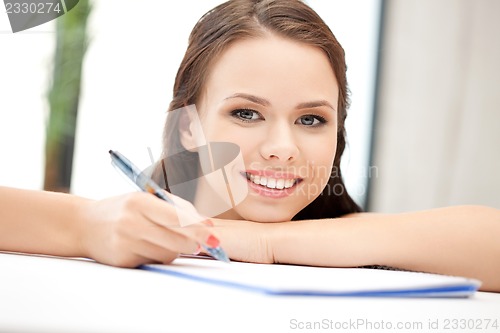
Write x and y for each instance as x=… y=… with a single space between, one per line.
x=126 y=231
x=40 y=222
x=461 y=241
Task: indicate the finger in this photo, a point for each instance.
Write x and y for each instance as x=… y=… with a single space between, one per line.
x=185 y=210
x=162 y=214
x=185 y=240
x=178 y=201
x=171 y=239
x=129 y=260
x=153 y=253
x=182 y=213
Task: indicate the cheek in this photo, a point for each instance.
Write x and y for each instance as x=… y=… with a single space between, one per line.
x=331 y=150
x=249 y=148
x=247 y=141
x=320 y=150
x=322 y=158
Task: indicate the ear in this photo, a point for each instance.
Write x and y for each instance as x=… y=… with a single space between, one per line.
x=186 y=132
x=190 y=131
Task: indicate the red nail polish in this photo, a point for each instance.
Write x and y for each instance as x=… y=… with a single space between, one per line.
x=212 y=241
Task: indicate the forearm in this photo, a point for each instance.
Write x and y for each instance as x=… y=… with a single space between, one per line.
x=325 y=242
x=455 y=240
x=40 y=222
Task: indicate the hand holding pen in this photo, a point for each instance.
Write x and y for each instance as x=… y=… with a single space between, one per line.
x=210 y=244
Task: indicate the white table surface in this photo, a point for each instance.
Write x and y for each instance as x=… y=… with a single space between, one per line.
x=44 y=294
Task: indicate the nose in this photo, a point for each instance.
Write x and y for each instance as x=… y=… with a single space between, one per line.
x=280 y=144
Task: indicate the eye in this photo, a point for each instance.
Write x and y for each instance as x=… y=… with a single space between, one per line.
x=311 y=120
x=246 y=115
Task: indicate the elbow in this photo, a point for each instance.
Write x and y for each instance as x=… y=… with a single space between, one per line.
x=491 y=275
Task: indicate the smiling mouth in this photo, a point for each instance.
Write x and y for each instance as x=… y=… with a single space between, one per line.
x=272 y=183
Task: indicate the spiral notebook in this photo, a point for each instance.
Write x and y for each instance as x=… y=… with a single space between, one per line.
x=295 y=280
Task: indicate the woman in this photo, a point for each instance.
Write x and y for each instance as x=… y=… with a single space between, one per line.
x=268 y=76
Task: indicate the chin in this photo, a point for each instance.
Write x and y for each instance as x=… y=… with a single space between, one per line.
x=268 y=212
x=266 y=216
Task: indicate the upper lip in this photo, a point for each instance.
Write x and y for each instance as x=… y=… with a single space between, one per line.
x=272 y=174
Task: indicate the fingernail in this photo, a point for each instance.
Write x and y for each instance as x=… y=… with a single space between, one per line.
x=208 y=222
x=212 y=241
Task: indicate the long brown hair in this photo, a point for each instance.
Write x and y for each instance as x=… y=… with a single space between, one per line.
x=239 y=19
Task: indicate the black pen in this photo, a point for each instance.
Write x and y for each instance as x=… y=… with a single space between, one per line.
x=146 y=184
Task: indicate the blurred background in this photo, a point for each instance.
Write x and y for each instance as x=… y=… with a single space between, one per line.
x=423 y=127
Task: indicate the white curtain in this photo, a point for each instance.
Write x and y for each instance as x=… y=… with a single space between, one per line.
x=437 y=132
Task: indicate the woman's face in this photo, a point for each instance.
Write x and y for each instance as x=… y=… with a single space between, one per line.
x=277 y=100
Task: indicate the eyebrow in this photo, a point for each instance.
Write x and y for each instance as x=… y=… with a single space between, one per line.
x=315 y=104
x=265 y=102
x=251 y=98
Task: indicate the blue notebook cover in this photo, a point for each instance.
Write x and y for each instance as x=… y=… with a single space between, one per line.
x=291 y=280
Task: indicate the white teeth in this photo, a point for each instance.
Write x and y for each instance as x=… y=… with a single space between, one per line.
x=272 y=182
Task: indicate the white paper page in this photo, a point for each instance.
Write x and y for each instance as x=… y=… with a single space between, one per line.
x=314 y=279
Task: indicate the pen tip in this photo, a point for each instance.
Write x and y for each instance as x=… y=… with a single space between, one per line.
x=218 y=253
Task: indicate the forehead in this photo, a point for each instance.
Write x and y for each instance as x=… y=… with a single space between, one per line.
x=273 y=66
